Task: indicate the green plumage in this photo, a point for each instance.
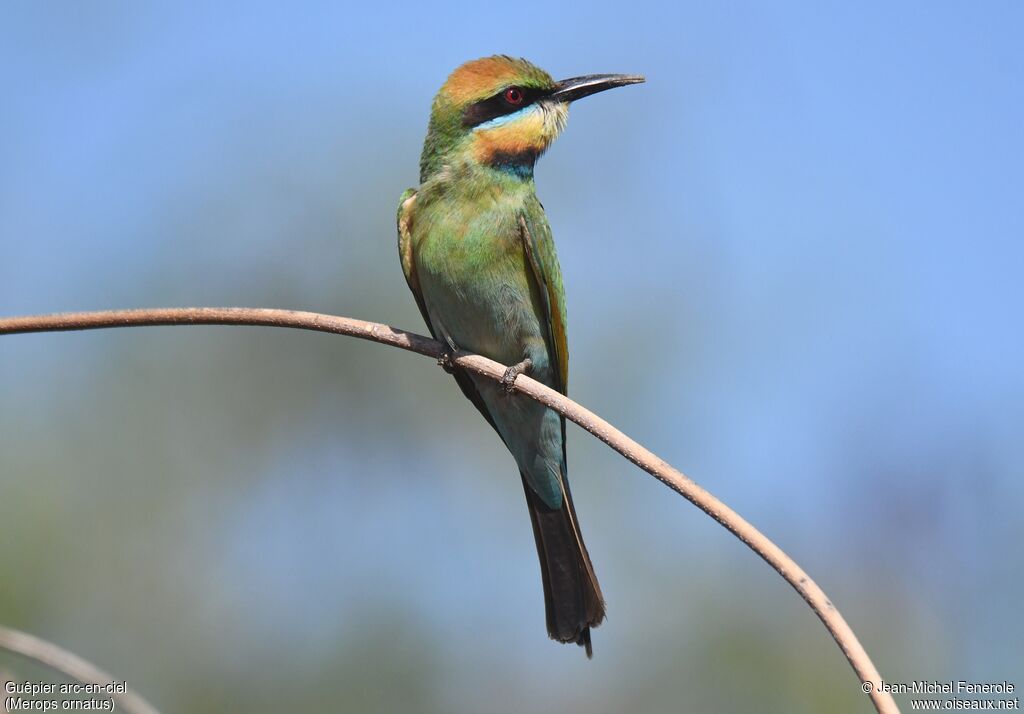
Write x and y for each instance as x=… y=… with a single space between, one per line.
x=478 y=255
x=482 y=295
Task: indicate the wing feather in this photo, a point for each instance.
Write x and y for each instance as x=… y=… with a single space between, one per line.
x=547 y=275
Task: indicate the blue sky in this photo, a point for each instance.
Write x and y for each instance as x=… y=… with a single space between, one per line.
x=792 y=261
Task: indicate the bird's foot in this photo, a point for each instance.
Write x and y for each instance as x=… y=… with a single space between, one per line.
x=445 y=362
x=508 y=379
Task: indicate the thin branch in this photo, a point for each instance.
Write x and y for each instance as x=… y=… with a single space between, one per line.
x=664 y=472
x=71 y=665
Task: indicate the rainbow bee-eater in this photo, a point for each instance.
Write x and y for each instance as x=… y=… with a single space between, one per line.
x=478 y=255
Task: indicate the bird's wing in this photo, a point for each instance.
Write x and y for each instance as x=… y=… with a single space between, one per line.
x=547 y=277
x=406 y=221
x=406 y=212
x=564 y=558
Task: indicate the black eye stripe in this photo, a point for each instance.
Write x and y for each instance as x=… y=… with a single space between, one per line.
x=496 y=106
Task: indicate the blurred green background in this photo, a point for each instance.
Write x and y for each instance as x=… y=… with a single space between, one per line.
x=793 y=265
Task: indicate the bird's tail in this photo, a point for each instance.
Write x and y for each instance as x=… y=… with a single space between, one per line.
x=572 y=596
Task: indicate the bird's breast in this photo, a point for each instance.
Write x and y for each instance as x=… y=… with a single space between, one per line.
x=473 y=274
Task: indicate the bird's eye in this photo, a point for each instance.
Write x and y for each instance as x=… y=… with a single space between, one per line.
x=514 y=96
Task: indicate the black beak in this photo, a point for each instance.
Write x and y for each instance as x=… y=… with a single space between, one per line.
x=569 y=90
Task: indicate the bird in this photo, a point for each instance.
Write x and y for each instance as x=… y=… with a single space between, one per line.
x=478 y=256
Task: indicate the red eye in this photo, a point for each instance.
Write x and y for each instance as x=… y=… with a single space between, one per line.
x=514 y=95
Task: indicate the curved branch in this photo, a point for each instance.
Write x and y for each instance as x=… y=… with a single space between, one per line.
x=664 y=472
x=39 y=650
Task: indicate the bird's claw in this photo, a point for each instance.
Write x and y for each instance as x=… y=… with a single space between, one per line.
x=445 y=363
x=508 y=379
